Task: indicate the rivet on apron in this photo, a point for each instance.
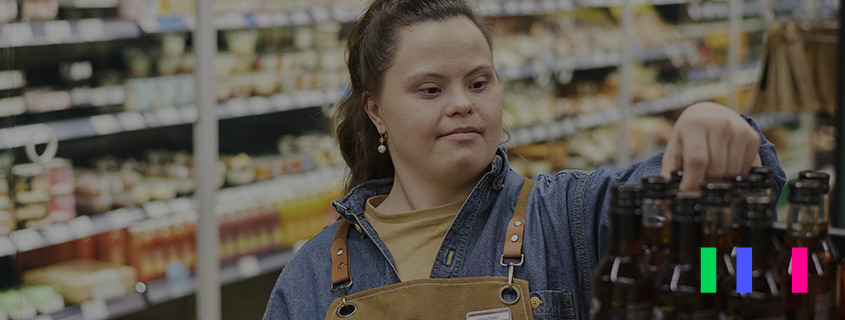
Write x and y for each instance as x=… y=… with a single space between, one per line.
x=514 y=238
x=536 y=302
x=517 y=223
x=340 y=265
x=339 y=251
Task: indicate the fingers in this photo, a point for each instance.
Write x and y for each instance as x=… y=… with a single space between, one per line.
x=695 y=158
x=718 y=155
x=671 y=156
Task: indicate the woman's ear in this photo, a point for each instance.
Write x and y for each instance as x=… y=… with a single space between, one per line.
x=373 y=111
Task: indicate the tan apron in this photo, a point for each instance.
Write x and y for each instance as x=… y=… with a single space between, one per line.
x=478 y=298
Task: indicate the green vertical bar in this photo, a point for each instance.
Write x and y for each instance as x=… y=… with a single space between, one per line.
x=708 y=270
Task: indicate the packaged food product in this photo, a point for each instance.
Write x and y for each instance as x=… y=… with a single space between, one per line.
x=62 y=207
x=46 y=100
x=44 y=298
x=16 y=306
x=8 y=223
x=40 y=9
x=82 y=280
x=8 y=10
x=60 y=172
x=12 y=106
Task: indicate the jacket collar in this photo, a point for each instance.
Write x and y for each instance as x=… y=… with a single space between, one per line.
x=353 y=203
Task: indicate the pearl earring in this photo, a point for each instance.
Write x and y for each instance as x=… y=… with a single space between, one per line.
x=381 y=147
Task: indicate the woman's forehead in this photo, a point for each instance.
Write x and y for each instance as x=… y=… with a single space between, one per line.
x=454 y=43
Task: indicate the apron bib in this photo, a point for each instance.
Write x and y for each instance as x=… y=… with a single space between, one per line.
x=476 y=298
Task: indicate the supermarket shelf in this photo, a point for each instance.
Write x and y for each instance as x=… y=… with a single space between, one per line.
x=159 y=291
x=768 y=120
x=107 y=124
x=721 y=10
x=703 y=29
x=41 y=33
x=592 y=61
x=84 y=226
x=746 y=75
x=569 y=126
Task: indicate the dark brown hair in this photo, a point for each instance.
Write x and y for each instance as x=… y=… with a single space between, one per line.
x=370 y=50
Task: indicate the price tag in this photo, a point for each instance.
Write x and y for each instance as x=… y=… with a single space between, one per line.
x=280 y=19
x=321 y=15
x=120 y=218
x=248 y=267
x=237 y=107
x=300 y=18
x=27 y=239
x=168 y=116
x=282 y=102
x=18 y=33
x=156 y=209
x=91 y=29
x=181 y=205
x=189 y=114
x=527 y=7
x=58 y=233
x=132 y=121
x=511 y=7
x=259 y=105
x=57 y=31
x=263 y=20
x=149 y=25
x=95 y=310
x=104 y=124
x=7 y=248
x=81 y=227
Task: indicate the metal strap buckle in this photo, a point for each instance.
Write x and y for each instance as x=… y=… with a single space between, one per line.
x=521 y=260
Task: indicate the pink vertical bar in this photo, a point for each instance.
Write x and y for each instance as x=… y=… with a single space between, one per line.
x=799 y=270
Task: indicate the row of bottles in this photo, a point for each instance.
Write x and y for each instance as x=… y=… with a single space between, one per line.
x=714 y=254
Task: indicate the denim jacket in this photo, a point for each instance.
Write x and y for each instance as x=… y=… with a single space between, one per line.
x=565 y=236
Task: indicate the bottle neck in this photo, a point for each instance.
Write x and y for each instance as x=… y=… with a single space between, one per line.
x=805 y=221
x=656 y=212
x=686 y=238
x=716 y=227
x=624 y=232
x=758 y=236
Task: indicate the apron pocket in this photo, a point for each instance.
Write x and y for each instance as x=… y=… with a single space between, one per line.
x=552 y=305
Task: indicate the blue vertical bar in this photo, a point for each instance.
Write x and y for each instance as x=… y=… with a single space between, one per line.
x=743 y=270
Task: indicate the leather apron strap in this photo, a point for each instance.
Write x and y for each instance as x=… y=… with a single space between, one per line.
x=456 y=294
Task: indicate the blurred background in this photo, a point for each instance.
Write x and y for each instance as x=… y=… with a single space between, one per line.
x=98 y=99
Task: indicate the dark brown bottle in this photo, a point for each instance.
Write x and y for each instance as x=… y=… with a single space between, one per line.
x=716 y=228
x=656 y=213
x=676 y=180
x=622 y=288
x=767 y=179
x=678 y=283
x=767 y=296
x=831 y=252
x=803 y=231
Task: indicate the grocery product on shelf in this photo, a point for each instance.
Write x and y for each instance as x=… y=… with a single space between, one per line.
x=82 y=280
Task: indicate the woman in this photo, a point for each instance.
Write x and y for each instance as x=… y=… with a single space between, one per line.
x=431 y=198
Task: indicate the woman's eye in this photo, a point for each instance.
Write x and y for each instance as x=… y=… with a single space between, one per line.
x=431 y=90
x=479 y=85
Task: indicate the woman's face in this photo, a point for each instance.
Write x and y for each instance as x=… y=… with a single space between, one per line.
x=440 y=105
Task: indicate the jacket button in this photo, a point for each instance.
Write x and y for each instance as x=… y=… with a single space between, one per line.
x=536 y=302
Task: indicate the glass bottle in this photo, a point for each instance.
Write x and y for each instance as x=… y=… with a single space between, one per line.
x=803 y=231
x=767 y=179
x=676 y=180
x=678 y=283
x=765 y=301
x=716 y=228
x=622 y=288
x=656 y=215
x=831 y=253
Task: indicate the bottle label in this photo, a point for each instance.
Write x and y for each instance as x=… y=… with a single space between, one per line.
x=824 y=306
x=638 y=310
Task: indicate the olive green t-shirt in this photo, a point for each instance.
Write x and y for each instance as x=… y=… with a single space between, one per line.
x=414 y=237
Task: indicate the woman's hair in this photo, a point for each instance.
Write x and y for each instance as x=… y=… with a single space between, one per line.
x=371 y=47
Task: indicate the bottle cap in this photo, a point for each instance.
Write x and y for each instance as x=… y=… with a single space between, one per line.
x=758 y=208
x=767 y=175
x=686 y=204
x=716 y=193
x=676 y=179
x=747 y=183
x=821 y=177
x=656 y=187
x=625 y=195
x=804 y=192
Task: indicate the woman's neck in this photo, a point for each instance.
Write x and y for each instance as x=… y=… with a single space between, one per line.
x=410 y=193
